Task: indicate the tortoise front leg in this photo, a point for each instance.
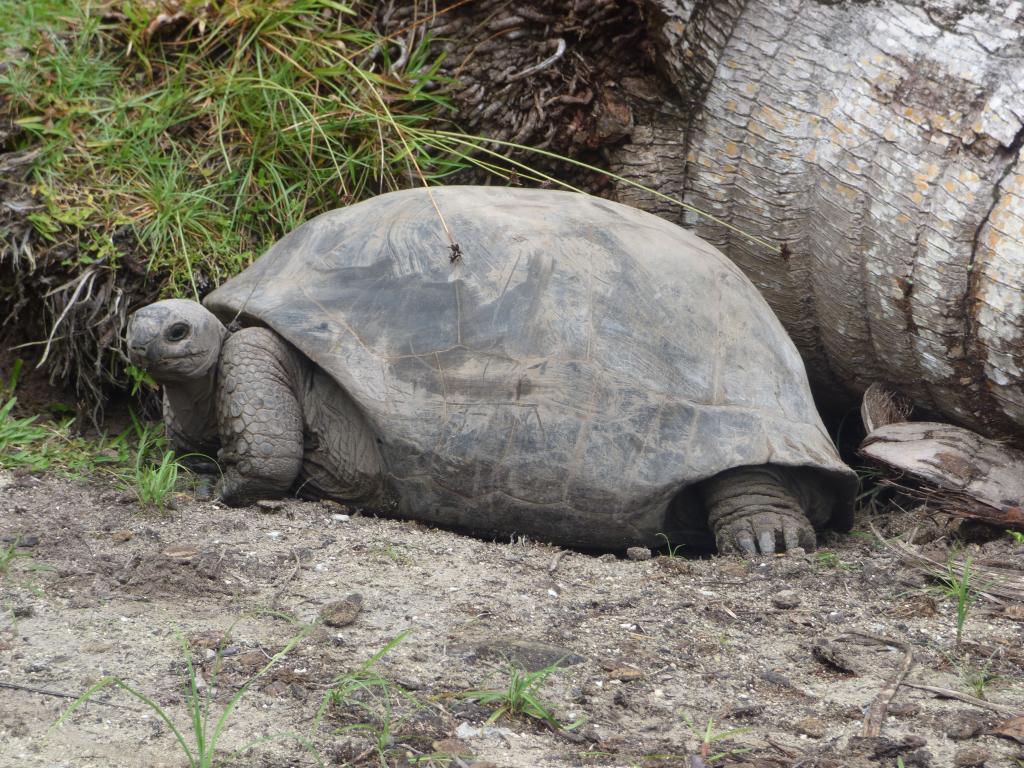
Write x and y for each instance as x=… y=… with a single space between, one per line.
x=259 y=417
x=752 y=509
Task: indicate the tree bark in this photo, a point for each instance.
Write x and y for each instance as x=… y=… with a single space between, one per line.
x=878 y=145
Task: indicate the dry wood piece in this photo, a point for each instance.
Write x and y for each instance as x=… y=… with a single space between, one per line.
x=967 y=474
x=880 y=705
x=61 y=695
x=882 y=406
x=947 y=693
x=993 y=583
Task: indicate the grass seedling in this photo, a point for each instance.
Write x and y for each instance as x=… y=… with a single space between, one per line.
x=975 y=677
x=367 y=693
x=521 y=697
x=20 y=440
x=830 y=560
x=1017 y=536
x=672 y=551
x=709 y=738
x=956 y=585
x=198 y=742
x=154 y=481
x=8 y=554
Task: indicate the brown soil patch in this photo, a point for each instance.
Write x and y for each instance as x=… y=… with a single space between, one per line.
x=650 y=651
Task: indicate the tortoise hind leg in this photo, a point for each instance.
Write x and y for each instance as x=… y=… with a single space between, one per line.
x=259 y=417
x=753 y=509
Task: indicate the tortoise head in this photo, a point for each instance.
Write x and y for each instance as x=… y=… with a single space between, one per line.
x=175 y=340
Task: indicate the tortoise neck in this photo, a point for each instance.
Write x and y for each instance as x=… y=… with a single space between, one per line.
x=192 y=405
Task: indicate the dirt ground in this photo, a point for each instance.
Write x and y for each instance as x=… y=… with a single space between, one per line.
x=654 y=653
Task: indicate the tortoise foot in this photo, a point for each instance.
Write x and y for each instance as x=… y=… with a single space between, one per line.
x=765 y=532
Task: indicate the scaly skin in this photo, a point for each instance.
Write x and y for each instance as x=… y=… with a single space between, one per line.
x=762 y=509
x=259 y=417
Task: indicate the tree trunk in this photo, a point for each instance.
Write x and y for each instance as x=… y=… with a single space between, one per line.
x=878 y=145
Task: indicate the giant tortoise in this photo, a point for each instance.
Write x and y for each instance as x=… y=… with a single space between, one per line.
x=504 y=361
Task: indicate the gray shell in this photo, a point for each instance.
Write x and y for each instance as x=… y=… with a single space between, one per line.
x=579 y=365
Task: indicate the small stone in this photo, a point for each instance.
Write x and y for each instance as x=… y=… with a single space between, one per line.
x=811 y=726
x=1014 y=611
x=269 y=505
x=786 y=599
x=607 y=557
x=969 y=757
x=343 y=612
x=638 y=553
x=904 y=709
x=181 y=554
x=452 y=748
x=23 y=611
x=122 y=535
x=963 y=724
x=340 y=518
x=625 y=673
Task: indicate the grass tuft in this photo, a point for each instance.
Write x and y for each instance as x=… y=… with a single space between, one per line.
x=198 y=742
x=956 y=585
x=521 y=697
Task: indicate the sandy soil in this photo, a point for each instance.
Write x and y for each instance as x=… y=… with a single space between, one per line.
x=652 y=651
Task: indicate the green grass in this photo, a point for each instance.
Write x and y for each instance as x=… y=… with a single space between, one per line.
x=149 y=469
x=156 y=469
x=8 y=555
x=197 y=741
x=20 y=440
x=976 y=679
x=830 y=560
x=1016 y=536
x=956 y=585
x=671 y=552
x=168 y=157
x=710 y=738
x=372 y=701
x=211 y=143
x=520 y=697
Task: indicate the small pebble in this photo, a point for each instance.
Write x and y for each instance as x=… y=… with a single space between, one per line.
x=341 y=613
x=638 y=553
x=786 y=599
x=339 y=518
x=971 y=757
x=269 y=505
x=811 y=726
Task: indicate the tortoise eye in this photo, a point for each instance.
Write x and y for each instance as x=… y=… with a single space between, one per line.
x=177 y=332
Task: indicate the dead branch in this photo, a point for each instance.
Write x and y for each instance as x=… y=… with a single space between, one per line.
x=880 y=706
x=948 y=693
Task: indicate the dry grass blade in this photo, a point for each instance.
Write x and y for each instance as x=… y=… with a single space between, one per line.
x=883 y=405
x=996 y=584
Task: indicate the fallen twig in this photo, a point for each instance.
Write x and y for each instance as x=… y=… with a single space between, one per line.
x=996 y=585
x=880 y=705
x=286 y=582
x=61 y=695
x=948 y=693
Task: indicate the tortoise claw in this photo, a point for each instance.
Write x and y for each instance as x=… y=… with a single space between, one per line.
x=765 y=533
x=745 y=543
